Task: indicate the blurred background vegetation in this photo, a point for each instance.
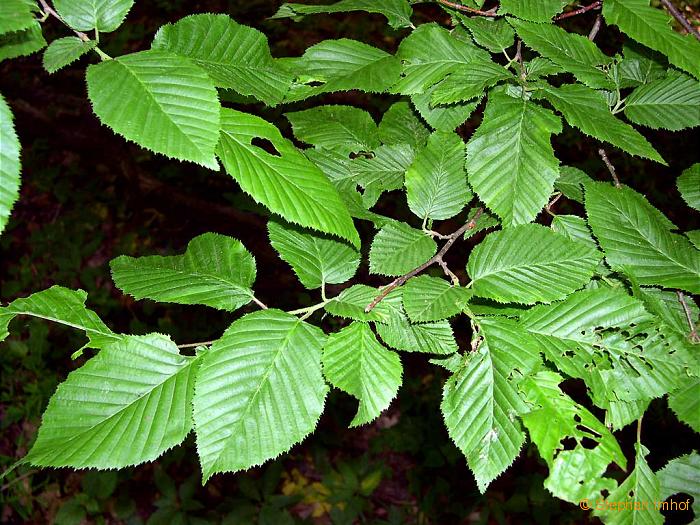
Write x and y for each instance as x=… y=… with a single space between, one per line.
x=88 y=196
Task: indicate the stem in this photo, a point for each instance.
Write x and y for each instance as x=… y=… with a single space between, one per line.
x=259 y=302
x=689 y=317
x=682 y=20
x=309 y=309
x=611 y=168
x=467 y=9
x=192 y=345
x=103 y=55
x=435 y=259
x=595 y=5
x=596 y=27
x=48 y=10
x=639 y=430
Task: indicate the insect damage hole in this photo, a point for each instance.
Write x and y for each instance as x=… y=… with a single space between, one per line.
x=265 y=145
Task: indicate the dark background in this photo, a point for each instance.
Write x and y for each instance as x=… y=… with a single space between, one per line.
x=88 y=196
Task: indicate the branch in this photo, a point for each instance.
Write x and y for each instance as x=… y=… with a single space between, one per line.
x=682 y=20
x=49 y=10
x=596 y=27
x=611 y=168
x=581 y=10
x=693 y=330
x=435 y=259
x=466 y=9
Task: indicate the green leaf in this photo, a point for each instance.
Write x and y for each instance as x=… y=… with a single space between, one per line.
x=636 y=238
x=588 y=111
x=401 y=125
x=533 y=10
x=16 y=15
x=651 y=27
x=480 y=406
x=86 y=15
x=235 y=56
x=436 y=183
x=694 y=237
x=510 y=160
x=574 y=53
x=9 y=164
x=65 y=51
x=681 y=475
x=485 y=222
x=343 y=65
x=541 y=67
x=21 y=43
x=385 y=170
x=127 y=405
x=160 y=101
x=574 y=228
x=640 y=65
x=351 y=304
x=688 y=185
x=571 y=182
x=345 y=127
x=215 y=270
x=259 y=391
x=666 y=306
x=285 y=181
x=578 y=474
x=515 y=348
x=397 y=249
x=397 y=12
x=467 y=84
x=428 y=298
x=670 y=103
x=355 y=362
x=315 y=259
x=529 y=263
x=493 y=34
x=442 y=118
x=430 y=338
x=555 y=416
x=621 y=413
x=645 y=489
x=429 y=54
x=63 y=306
x=685 y=402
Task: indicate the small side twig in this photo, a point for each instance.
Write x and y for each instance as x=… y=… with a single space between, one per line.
x=581 y=10
x=467 y=9
x=48 y=10
x=437 y=258
x=689 y=317
x=611 y=168
x=682 y=20
x=193 y=345
x=596 y=27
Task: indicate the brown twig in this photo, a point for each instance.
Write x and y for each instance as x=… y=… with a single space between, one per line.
x=435 y=259
x=467 y=9
x=611 y=168
x=47 y=9
x=689 y=317
x=581 y=10
x=682 y=20
x=596 y=27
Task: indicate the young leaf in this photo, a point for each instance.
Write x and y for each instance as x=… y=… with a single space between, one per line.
x=355 y=362
x=554 y=416
x=688 y=185
x=685 y=402
x=470 y=83
x=284 y=181
x=571 y=182
x=529 y=263
x=574 y=53
x=398 y=249
x=401 y=125
x=127 y=405
x=235 y=56
x=644 y=487
x=430 y=338
x=63 y=306
x=86 y=15
x=574 y=228
x=436 y=183
x=430 y=53
x=385 y=170
x=64 y=51
x=259 y=391
x=480 y=406
x=534 y=10
x=670 y=103
x=510 y=160
x=351 y=304
x=650 y=26
x=16 y=15
x=517 y=350
x=397 y=12
x=160 y=101
x=9 y=164
x=345 y=127
x=344 y=65
x=215 y=270
x=681 y=475
x=315 y=259
x=588 y=111
x=666 y=306
x=636 y=238
x=21 y=43
x=442 y=118
x=493 y=34
x=428 y=298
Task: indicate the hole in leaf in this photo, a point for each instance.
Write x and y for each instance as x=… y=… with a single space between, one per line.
x=588 y=443
x=568 y=443
x=265 y=145
x=315 y=83
x=362 y=155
